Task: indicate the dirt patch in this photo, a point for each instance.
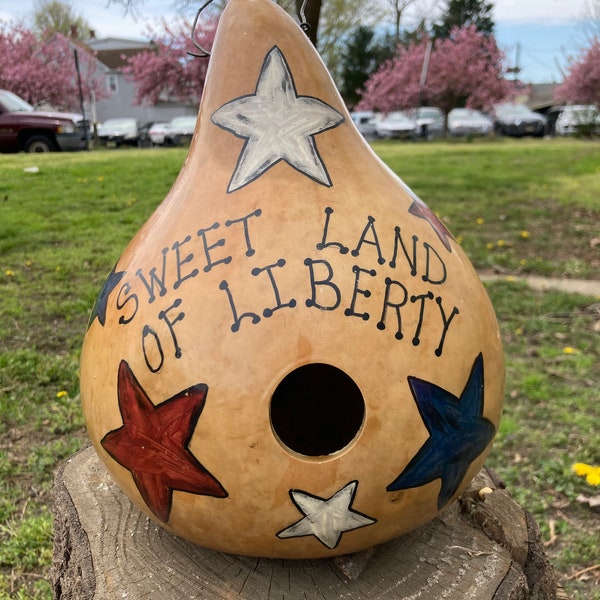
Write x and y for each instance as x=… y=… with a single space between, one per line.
x=575 y=286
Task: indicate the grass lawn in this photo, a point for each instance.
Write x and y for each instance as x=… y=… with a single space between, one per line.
x=516 y=206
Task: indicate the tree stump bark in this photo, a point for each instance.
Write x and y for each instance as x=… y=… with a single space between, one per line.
x=485 y=547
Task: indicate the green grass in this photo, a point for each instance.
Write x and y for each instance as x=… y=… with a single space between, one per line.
x=551 y=415
x=61 y=229
x=529 y=206
x=516 y=206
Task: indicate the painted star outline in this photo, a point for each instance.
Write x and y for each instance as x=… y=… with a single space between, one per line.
x=326 y=519
x=99 y=310
x=277 y=125
x=418 y=208
x=458 y=434
x=153 y=443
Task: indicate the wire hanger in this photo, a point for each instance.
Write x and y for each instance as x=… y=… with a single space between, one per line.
x=203 y=52
x=304 y=25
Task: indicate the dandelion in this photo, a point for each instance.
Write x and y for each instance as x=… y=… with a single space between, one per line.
x=500 y=243
x=479 y=221
x=510 y=278
x=519 y=331
x=490 y=245
x=581 y=469
x=524 y=234
x=61 y=394
x=100 y=178
x=570 y=350
x=28 y=263
x=590 y=472
x=523 y=262
x=9 y=273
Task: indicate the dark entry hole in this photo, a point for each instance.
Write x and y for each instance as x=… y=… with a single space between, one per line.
x=317 y=410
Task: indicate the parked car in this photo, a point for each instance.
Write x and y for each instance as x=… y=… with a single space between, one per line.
x=578 y=118
x=465 y=121
x=157 y=133
x=116 y=132
x=365 y=123
x=429 y=121
x=144 y=140
x=397 y=125
x=24 y=129
x=180 y=131
x=518 y=120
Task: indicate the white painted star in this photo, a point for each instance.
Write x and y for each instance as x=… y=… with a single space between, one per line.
x=326 y=519
x=277 y=125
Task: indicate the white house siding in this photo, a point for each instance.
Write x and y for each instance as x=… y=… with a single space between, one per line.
x=121 y=102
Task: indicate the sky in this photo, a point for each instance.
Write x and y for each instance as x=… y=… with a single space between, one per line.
x=536 y=35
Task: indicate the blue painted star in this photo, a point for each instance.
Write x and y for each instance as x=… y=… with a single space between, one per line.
x=277 y=124
x=458 y=434
x=110 y=284
x=326 y=519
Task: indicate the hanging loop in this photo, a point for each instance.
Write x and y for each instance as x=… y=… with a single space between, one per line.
x=304 y=25
x=203 y=51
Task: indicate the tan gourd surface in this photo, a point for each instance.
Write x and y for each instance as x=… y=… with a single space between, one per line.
x=170 y=309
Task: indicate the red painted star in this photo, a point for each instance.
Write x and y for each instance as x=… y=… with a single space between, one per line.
x=420 y=209
x=152 y=443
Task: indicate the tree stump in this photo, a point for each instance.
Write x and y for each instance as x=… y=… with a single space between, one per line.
x=485 y=547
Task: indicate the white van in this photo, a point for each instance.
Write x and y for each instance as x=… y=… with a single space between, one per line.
x=573 y=118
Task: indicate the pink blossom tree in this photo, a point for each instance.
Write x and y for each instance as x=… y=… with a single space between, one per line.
x=42 y=70
x=168 y=72
x=582 y=83
x=465 y=69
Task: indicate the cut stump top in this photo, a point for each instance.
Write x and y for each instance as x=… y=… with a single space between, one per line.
x=484 y=547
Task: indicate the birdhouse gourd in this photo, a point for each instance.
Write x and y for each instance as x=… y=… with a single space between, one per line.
x=293 y=357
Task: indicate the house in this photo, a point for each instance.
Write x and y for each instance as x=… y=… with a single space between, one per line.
x=111 y=54
x=541 y=96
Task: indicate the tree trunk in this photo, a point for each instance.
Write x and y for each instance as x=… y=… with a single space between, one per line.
x=484 y=546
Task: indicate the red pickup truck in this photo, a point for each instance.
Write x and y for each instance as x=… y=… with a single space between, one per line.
x=22 y=128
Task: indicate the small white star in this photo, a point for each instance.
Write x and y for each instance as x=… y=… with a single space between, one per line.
x=326 y=519
x=277 y=125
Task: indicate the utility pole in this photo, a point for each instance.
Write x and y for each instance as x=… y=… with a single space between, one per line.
x=424 y=70
x=516 y=69
x=81 y=102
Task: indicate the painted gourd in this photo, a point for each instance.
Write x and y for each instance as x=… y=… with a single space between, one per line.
x=293 y=357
